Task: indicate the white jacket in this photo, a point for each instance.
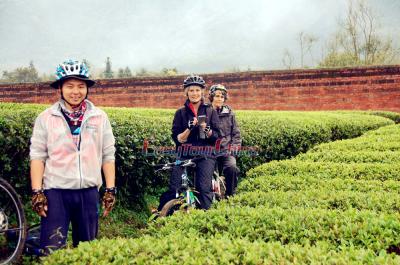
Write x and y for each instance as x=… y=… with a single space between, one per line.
x=66 y=167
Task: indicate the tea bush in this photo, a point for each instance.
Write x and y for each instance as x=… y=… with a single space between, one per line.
x=275 y=135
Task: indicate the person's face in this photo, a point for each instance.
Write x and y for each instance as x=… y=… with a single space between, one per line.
x=74 y=91
x=219 y=99
x=194 y=93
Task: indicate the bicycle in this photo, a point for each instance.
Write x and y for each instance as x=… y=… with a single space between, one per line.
x=218 y=184
x=13 y=226
x=185 y=197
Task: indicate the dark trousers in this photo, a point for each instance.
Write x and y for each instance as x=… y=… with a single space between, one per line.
x=78 y=207
x=203 y=183
x=227 y=164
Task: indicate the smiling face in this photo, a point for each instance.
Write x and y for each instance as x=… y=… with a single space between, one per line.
x=194 y=93
x=218 y=99
x=74 y=91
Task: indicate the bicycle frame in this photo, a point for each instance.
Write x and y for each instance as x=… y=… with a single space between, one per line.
x=185 y=197
x=187 y=192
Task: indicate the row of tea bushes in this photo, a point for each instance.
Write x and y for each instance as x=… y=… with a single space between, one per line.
x=284 y=213
x=274 y=135
x=182 y=248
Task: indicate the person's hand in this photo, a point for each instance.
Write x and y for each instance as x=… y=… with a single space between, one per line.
x=192 y=123
x=207 y=131
x=203 y=126
x=109 y=200
x=39 y=202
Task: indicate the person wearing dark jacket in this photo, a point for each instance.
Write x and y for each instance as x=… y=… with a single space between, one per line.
x=231 y=140
x=195 y=130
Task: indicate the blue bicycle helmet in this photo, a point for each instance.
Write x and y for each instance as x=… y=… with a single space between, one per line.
x=72 y=69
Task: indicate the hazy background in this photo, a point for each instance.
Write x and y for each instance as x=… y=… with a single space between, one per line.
x=193 y=36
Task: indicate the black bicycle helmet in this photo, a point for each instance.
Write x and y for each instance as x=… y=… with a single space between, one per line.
x=194 y=80
x=216 y=87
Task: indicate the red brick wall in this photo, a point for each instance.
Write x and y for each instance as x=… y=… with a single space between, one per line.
x=364 y=88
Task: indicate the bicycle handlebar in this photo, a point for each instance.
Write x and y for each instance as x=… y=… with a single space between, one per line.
x=182 y=163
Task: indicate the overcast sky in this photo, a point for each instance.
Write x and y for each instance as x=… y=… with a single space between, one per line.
x=201 y=36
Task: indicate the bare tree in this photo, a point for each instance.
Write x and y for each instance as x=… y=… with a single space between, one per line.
x=306 y=42
x=358 y=41
x=287 y=59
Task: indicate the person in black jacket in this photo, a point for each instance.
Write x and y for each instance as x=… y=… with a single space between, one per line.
x=231 y=141
x=195 y=130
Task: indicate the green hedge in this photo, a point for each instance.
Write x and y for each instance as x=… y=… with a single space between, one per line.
x=277 y=135
x=281 y=135
x=298 y=183
x=181 y=248
x=298 y=207
x=322 y=198
x=387 y=114
x=356 y=156
x=362 y=229
x=373 y=145
x=15 y=131
x=327 y=170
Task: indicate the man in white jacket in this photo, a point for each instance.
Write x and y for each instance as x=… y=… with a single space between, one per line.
x=72 y=142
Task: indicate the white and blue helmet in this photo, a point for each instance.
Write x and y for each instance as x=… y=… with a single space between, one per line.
x=72 y=69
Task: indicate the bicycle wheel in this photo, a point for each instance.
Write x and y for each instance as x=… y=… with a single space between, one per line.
x=171 y=207
x=219 y=187
x=12 y=225
x=222 y=186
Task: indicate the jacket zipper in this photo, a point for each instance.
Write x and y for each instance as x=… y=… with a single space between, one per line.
x=77 y=148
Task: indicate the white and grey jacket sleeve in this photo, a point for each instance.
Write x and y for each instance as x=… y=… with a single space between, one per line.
x=38 y=147
x=108 y=141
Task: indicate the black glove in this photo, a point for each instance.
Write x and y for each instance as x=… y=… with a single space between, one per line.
x=191 y=124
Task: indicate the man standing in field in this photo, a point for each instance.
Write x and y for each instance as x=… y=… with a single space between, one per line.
x=72 y=142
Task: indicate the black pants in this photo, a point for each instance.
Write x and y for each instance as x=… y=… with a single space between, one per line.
x=203 y=183
x=79 y=207
x=227 y=164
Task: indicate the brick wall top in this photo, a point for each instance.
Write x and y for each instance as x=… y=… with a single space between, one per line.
x=375 y=87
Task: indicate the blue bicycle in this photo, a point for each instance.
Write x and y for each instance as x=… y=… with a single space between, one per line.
x=186 y=198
